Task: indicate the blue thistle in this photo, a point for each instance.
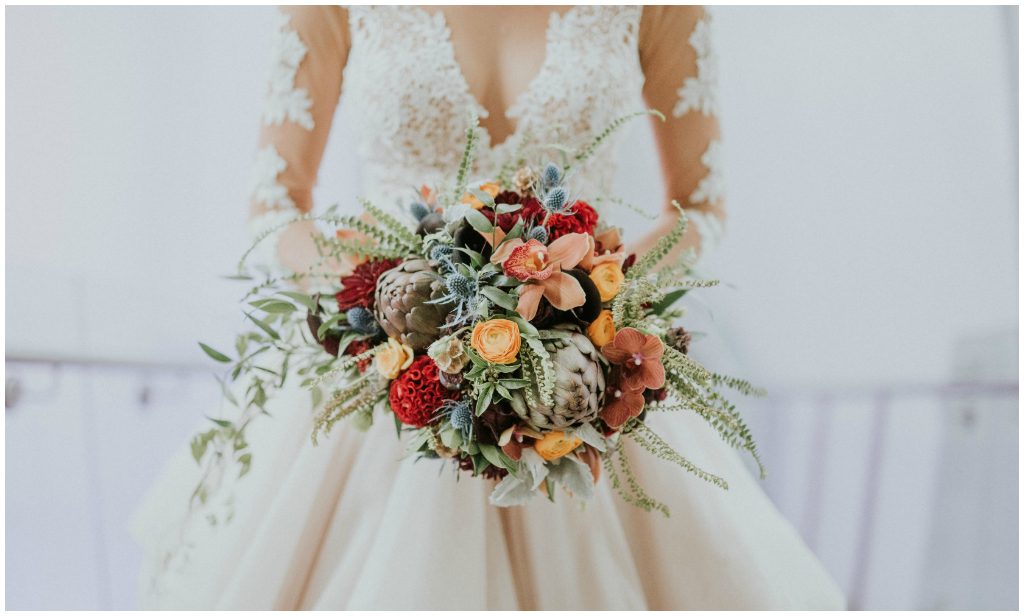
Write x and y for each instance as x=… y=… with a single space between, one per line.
x=459 y=414
x=538 y=233
x=556 y=200
x=460 y=285
x=551 y=176
x=441 y=252
x=362 y=320
x=419 y=210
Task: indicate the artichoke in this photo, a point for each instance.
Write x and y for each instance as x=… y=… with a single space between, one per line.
x=401 y=303
x=579 y=385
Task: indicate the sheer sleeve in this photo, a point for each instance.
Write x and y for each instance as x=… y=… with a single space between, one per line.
x=308 y=55
x=681 y=80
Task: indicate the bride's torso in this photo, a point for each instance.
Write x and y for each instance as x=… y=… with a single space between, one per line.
x=559 y=76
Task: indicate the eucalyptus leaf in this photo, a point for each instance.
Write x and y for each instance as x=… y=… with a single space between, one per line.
x=214 y=353
x=499 y=297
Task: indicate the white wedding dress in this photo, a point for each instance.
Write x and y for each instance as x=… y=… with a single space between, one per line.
x=351 y=523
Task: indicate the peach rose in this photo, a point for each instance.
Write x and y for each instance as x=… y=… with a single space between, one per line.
x=602 y=330
x=554 y=445
x=497 y=340
x=490 y=188
x=608 y=277
x=393 y=358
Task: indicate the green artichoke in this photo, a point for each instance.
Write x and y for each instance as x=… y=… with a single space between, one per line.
x=579 y=385
x=401 y=303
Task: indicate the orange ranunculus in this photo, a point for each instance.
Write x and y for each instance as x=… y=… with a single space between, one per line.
x=393 y=358
x=497 y=340
x=608 y=277
x=490 y=188
x=554 y=445
x=602 y=330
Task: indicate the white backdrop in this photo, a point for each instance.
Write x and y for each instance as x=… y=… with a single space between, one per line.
x=871 y=159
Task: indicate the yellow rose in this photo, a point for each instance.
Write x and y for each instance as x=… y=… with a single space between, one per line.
x=490 y=188
x=393 y=358
x=554 y=445
x=602 y=330
x=496 y=340
x=608 y=277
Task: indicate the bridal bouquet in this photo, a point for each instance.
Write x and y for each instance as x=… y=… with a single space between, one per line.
x=502 y=326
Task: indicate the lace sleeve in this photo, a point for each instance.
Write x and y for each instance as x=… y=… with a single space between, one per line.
x=308 y=54
x=681 y=80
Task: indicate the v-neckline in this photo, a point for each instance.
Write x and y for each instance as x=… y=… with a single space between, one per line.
x=554 y=19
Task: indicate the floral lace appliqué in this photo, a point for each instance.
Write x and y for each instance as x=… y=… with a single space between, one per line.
x=284 y=100
x=269 y=193
x=700 y=93
x=711 y=188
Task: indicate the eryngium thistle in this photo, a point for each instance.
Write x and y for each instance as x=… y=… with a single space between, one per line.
x=418 y=210
x=551 y=176
x=538 y=233
x=556 y=200
x=460 y=286
x=402 y=304
x=362 y=320
x=579 y=385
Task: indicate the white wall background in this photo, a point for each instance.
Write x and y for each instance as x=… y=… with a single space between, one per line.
x=871 y=155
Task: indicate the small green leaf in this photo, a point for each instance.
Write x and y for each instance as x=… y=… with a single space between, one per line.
x=499 y=298
x=484 y=401
x=491 y=453
x=507 y=208
x=266 y=328
x=301 y=298
x=214 y=353
x=479 y=222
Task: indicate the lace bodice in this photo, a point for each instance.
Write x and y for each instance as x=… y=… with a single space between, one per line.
x=410 y=101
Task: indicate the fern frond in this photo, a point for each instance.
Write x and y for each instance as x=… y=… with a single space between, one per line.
x=472 y=136
x=646 y=438
x=396 y=227
x=662 y=248
x=631 y=492
x=584 y=154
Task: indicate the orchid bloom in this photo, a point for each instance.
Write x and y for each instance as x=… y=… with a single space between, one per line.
x=593 y=259
x=638 y=355
x=543 y=268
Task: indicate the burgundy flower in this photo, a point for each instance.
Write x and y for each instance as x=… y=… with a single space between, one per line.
x=355 y=348
x=581 y=218
x=358 y=288
x=638 y=356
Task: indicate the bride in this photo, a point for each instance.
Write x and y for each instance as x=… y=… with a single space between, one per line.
x=350 y=523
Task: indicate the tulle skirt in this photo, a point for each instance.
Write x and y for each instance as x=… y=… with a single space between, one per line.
x=352 y=523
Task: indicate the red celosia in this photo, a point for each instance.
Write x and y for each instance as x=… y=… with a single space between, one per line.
x=417 y=393
x=359 y=287
x=638 y=356
x=581 y=218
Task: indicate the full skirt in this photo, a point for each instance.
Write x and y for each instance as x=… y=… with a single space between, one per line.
x=353 y=523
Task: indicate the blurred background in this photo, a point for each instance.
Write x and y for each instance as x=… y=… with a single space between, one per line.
x=871 y=261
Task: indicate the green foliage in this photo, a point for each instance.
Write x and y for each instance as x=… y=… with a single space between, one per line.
x=587 y=151
x=646 y=438
x=631 y=491
x=472 y=137
x=661 y=249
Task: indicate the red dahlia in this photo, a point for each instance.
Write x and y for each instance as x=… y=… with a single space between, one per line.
x=417 y=393
x=358 y=287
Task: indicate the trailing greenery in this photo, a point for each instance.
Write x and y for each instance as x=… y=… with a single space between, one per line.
x=662 y=248
x=631 y=491
x=646 y=438
x=462 y=178
x=587 y=151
